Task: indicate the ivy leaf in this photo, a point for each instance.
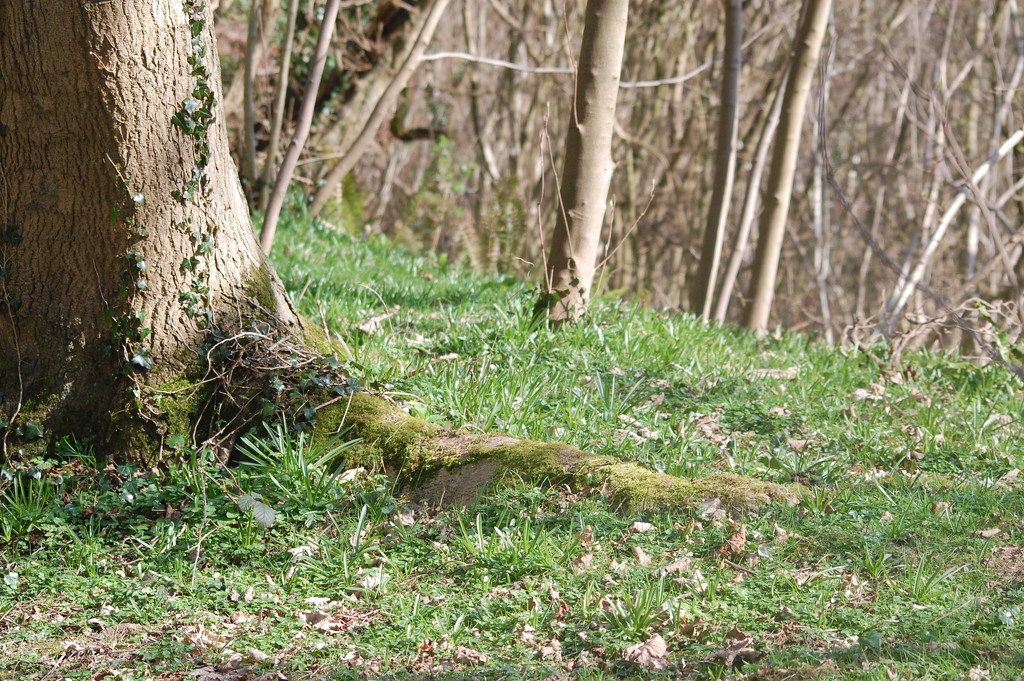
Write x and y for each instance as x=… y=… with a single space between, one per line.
x=176 y=442
x=142 y=359
x=11 y=234
x=33 y=429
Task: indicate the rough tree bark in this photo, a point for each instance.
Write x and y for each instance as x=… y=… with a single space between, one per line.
x=588 y=162
x=114 y=273
x=127 y=242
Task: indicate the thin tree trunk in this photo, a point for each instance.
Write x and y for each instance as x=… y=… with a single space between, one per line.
x=703 y=290
x=749 y=210
x=282 y=92
x=305 y=119
x=879 y=207
x=588 y=165
x=233 y=100
x=255 y=37
x=819 y=205
x=787 y=147
x=387 y=100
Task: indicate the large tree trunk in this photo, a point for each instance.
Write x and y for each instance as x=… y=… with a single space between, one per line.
x=115 y=271
x=588 y=162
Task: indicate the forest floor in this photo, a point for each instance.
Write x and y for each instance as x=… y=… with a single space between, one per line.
x=904 y=558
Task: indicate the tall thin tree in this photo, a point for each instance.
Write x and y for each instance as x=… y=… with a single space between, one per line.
x=588 y=162
x=306 y=110
x=787 y=146
x=282 y=95
x=703 y=291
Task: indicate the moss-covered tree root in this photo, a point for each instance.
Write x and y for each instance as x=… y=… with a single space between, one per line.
x=440 y=465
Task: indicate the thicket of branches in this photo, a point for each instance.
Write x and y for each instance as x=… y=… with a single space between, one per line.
x=916 y=97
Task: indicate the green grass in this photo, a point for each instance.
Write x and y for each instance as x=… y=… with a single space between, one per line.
x=879 y=572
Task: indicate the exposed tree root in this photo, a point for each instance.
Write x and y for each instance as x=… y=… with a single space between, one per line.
x=252 y=375
x=454 y=467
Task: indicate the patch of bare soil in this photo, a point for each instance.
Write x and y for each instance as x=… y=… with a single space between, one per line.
x=1006 y=564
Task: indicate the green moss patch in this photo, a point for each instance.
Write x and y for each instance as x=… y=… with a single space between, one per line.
x=438 y=464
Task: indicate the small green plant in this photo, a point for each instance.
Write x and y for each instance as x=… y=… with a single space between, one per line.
x=510 y=550
x=345 y=551
x=925 y=582
x=875 y=565
x=799 y=463
x=816 y=500
x=635 y=616
x=26 y=498
x=304 y=473
x=262 y=514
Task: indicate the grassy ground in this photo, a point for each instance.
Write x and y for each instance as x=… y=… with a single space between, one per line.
x=904 y=559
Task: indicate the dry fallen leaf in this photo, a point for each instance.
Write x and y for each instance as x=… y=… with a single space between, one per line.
x=641 y=557
x=736 y=544
x=639 y=526
x=939 y=507
x=587 y=537
x=788 y=373
x=711 y=508
x=203 y=638
x=887 y=517
x=1007 y=479
x=989 y=533
x=372 y=325
x=561 y=607
x=464 y=655
x=552 y=649
x=583 y=561
x=737 y=646
x=648 y=654
x=677 y=565
x=860 y=394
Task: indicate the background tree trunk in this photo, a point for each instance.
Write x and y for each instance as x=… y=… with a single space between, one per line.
x=434 y=9
x=588 y=161
x=91 y=165
x=703 y=291
x=267 y=178
x=291 y=156
x=787 y=146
